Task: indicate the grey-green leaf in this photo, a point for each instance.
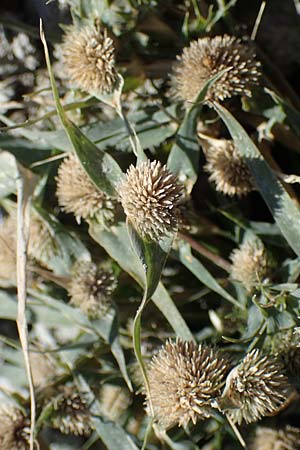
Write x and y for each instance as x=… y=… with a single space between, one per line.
x=203 y=275
x=8 y=174
x=106 y=327
x=111 y=433
x=100 y=166
x=152 y=255
x=283 y=208
x=184 y=156
x=116 y=242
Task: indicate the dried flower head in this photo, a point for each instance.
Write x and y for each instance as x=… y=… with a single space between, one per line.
x=250 y=263
x=150 y=194
x=77 y=194
x=91 y=288
x=286 y=438
x=89 y=59
x=255 y=388
x=14 y=429
x=184 y=378
x=226 y=167
x=114 y=400
x=71 y=414
x=207 y=57
x=8 y=246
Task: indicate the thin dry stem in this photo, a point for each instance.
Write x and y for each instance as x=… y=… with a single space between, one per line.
x=216 y=259
x=258 y=20
x=25 y=184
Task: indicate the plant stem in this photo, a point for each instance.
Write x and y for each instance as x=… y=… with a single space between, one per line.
x=216 y=259
x=133 y=138
x=24 y=194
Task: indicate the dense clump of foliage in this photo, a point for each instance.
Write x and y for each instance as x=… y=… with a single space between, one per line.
x=150 y=225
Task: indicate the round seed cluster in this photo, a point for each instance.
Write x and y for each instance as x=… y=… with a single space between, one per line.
x=149 y=195
x=14 y=429
x=89 y=59
x=250 y=263
x=184 y=378
x=77 y=194
x=255 y=388
x=90 y=289
x=227 y=168
x=207 y=57
x=70 y=412
x=283 y=438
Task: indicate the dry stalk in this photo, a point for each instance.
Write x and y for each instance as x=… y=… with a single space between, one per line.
x=25 y=185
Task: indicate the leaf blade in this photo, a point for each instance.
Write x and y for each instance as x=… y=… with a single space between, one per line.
x=116 y=242
x=285 y=212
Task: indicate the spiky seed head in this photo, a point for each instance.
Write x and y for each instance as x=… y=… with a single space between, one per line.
x=114 y=400
x=227 y=168
x=250 y=264
x=14 y=429
x=184 y=378
x=284 y=438
x=8 y=248
x=150 y=194
x=71 y=414
x=255 y=388
x=207 y=57
x=91 y=288
x=77 y=194
x=89 y=59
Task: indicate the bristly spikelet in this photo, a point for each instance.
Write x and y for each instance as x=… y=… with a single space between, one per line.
x=150 y=194
x=285 y=438
x=207 y=57
x=257 y=387
x=71 y=414
x=77 y=194
x=8 y=248
x=89 y=59
x=14 y=429
x=227 y=168
x=250 y=264
x=91 y=288
x=184 y=378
